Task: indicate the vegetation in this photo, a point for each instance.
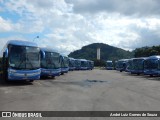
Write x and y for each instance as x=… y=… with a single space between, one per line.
x=100 y=63
x=147 y=51
x=107 y=53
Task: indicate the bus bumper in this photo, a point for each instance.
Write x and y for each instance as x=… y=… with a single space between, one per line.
x=64 y=70
x=137 y=71
x=151 y=72
x=50 y=72
x=23 y=74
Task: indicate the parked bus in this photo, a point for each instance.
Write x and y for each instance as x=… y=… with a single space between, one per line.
x=109 y=65
x=129 y=65
x=84 y=64
x=1 y=70
x=90 y=65
x=21 y=61
x=71 y=64
x=121 y=65
x=138 y=66
x=64 y=64
x=77 y=64
x=152 y=66
x=50 y=63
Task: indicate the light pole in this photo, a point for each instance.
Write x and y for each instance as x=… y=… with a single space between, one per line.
x=35 y=38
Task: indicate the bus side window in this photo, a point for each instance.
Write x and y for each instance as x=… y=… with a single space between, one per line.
x=0 y=64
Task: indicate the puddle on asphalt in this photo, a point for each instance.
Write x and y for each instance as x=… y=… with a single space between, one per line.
x=83 y=83
x=89 y=83
x=96 y=81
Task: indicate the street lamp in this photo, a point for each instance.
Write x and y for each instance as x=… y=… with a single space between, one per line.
x=35 y=38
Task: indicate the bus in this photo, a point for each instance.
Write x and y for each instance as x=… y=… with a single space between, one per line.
x=138 y=65
x=64 y=64
x=121 y=65
x=50 y=63
x=152 y=66
x=1 y=71
x=84 y=64
x=20 y=61
x=109 y=65
x=90 y=65
x=71 y=64
x=129 y=65
x=77 y=64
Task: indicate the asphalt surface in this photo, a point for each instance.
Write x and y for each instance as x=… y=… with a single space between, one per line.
x=96 y=90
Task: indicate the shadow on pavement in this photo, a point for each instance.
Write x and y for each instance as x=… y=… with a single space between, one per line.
x=156 y=78
x=14 y=83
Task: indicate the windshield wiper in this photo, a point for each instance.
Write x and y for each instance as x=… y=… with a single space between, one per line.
x=30 y=62
x=49 y=62
x=22 y=60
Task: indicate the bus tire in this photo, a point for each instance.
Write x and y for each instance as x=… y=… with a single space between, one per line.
x=151 y=75
x=31 y=80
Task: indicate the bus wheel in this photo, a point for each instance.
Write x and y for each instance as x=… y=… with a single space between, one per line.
x=31 y=80
x=138 y=74
x=151 y=75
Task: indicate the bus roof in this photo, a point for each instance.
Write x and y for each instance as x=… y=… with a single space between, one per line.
x=154 y=57
x=77 y=59
x=82 y=59
x=48 y=49
x=19 y=43
x=143 y=58
x=71 y=58
x=123 y=60
x=108 y=61
x=22 y=43
x=90 y=60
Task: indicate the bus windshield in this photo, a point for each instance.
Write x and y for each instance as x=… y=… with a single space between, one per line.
x=129 y=65
x=120 y=64
x=72 y=63
x=138 y=64
x=23 y=57
x=77 y=63
x=84 y=63
x=51 y=60
x=151 y=64
x=109 y=64
x=64 y=62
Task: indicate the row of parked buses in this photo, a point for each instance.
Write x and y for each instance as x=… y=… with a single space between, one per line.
x=143 y=65
x=24 y=60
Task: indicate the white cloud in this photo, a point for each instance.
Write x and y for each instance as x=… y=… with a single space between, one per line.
x=125 y=7
x=5 y=25
x=66 y=30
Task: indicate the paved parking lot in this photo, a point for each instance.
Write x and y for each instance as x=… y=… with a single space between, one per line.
x=96 y=90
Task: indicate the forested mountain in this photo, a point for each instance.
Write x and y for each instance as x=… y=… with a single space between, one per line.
x=147 y=51
x=107 y=52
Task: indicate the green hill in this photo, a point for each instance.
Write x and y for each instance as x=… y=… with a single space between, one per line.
x=107 y=52
x=147 y=51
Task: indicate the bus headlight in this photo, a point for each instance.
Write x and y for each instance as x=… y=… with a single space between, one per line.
x=12 y=71
x=44 y=71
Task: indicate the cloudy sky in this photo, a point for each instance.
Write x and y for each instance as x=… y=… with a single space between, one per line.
x=67 y=25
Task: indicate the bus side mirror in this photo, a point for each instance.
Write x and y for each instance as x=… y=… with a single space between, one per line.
x=43 y=54
x=60 y=59
x=6 y=53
